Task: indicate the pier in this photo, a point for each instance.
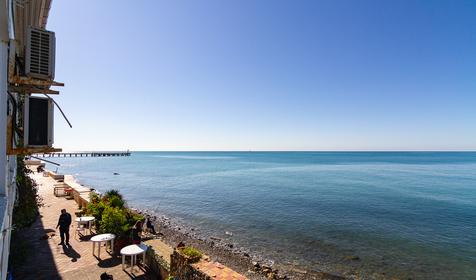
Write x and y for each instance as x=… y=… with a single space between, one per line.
x=85 y=154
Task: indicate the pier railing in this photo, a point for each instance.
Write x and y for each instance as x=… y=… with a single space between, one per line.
x=86 y=154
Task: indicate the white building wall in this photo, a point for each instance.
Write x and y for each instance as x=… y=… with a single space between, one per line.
x=33 y=12
x=6 y=223
x=8 y=216
x=4 y=38
x=7 y=164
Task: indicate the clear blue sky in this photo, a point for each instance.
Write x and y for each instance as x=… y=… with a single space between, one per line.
x=266 y=75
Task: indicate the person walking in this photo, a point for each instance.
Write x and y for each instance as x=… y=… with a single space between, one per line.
x=64 y=222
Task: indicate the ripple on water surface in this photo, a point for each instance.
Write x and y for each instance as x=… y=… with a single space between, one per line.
x=402 y=214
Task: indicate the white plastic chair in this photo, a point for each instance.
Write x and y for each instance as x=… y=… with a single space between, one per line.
x=79 y=230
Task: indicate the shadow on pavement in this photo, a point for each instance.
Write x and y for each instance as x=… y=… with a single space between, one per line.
x=38 y=262
x=71 y=253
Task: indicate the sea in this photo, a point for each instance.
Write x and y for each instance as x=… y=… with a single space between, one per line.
x=369 y=215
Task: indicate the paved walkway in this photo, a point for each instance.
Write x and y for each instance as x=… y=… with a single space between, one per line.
x=47 y=260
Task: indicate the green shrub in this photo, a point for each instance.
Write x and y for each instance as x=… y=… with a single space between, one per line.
x=25 y=212
x=113 y=196
x=94 y=197
x=191 y=252
x=116 y=201
x=26 y=206
x=113 y=193
x=133 y=217
x=98 y=203
x=96 y=210
x=111 y=213
x=114 y=221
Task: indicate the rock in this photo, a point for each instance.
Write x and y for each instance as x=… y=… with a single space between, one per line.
x=302 y=271
x=215 y=238
x=256 y=266
x=352 y=258
x=266 y=269
x=246 y=255
x=328 y=276
x=229 y=245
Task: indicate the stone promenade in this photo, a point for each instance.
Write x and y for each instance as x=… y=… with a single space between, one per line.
x=48 y=260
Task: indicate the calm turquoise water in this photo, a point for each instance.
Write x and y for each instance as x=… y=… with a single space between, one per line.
x=404 y=214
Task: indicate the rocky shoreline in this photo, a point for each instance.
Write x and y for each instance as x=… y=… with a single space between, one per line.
x=223 y=251
x=240 y=259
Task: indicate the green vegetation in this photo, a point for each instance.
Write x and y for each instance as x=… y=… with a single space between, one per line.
x=113 y=193
x=113 y=221
x=192 y=253
x=26 y=207
x=112 y=214
x=25 y=212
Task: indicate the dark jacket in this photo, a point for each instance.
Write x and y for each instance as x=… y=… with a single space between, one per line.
x=64 y=221
x=136 y=234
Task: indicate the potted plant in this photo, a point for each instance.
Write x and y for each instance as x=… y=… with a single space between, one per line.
x=191 y=254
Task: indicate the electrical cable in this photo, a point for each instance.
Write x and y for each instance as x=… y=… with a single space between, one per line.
x=14 y=117
x=64 y=116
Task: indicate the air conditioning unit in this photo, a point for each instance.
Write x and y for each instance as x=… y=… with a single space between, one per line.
x=38 y=122
x=40 y=53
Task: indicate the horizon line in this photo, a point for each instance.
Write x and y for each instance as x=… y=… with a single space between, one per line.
x=270 y=151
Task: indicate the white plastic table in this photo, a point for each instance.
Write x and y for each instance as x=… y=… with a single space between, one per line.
x=103 y=238
x=133 y=251
x=85 y=220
